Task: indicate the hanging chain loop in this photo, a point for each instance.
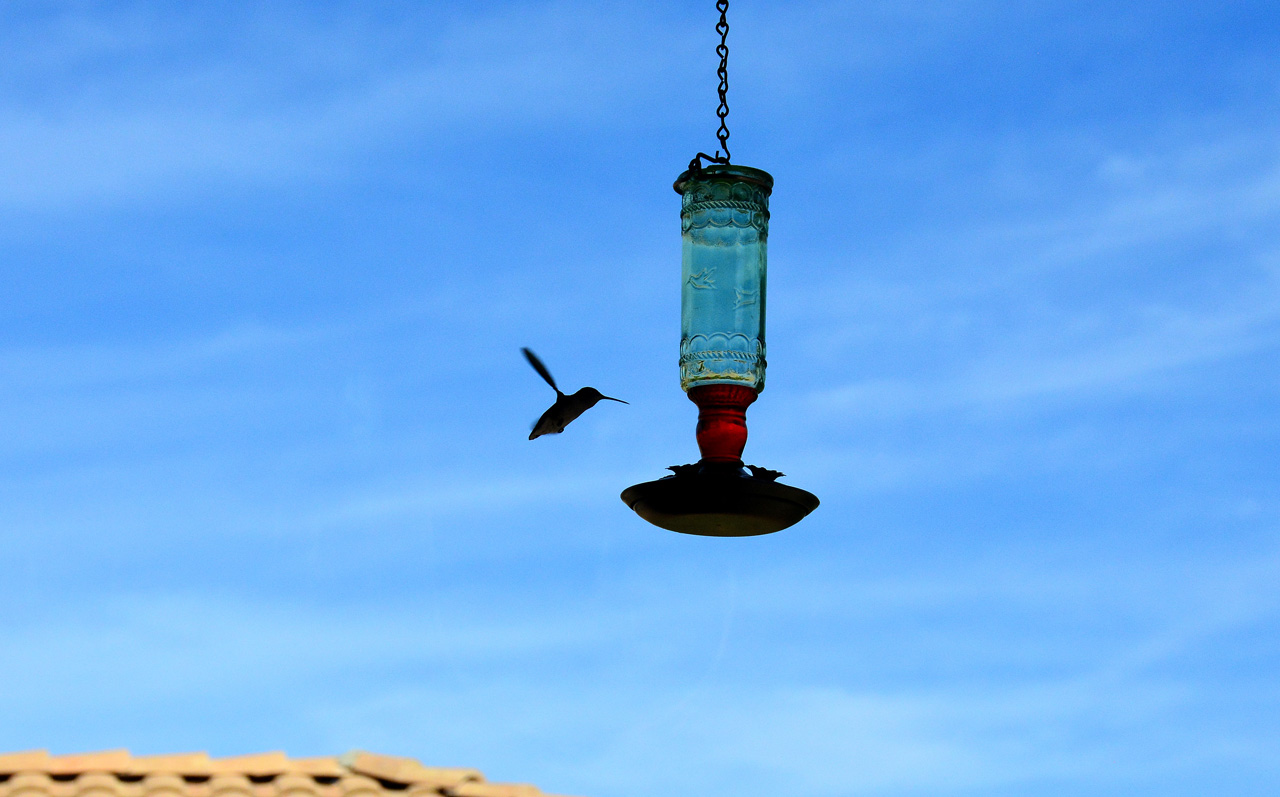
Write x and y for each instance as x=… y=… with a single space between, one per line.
x=722 y=27
x=722 y=50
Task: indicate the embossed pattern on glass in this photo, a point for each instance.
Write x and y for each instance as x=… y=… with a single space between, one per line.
x=725 y=226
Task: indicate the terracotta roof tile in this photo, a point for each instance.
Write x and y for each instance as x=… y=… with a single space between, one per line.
x=318 y=767
x=25 y=781
x=95 y=783
x=230 y=786
x=405 y=770
x=494 y=790
x=177 y=763
x=116 y=773
x=353 y=785
x=105 y=761
x=155 y=785
x=259 y=765
x=24 y=761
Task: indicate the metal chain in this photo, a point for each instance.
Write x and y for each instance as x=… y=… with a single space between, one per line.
x=722 y=49
x=722 y=27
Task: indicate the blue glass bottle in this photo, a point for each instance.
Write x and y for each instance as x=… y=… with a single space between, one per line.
x=724 y=227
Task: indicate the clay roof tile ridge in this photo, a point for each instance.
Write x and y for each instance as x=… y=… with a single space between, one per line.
x=186 y=775
x=24 y=761
x=81 y=763
x=410 y=771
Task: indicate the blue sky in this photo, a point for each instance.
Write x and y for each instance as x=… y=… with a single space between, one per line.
x=264 y=481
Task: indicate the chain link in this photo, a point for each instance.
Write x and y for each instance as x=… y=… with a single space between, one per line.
x=722 y=50
x=722 y=27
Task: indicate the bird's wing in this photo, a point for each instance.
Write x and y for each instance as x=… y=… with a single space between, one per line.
x=540 y=368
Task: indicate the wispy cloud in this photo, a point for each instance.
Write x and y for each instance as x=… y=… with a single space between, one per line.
x=1132 y=362
x=1020 y=331
x=217 y=115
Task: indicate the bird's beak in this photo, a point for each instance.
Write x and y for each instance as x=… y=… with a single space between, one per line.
x=611 y=398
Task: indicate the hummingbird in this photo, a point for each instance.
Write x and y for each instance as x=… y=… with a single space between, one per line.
x=566 y=408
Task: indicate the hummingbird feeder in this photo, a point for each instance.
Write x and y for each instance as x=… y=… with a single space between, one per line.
x=724 y=217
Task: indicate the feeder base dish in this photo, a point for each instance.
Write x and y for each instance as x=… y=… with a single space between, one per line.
x=715 y=500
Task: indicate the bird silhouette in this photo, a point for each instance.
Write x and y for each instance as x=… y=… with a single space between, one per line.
x=566 y=408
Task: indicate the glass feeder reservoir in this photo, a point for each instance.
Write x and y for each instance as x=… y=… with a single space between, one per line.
x=725 y=229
